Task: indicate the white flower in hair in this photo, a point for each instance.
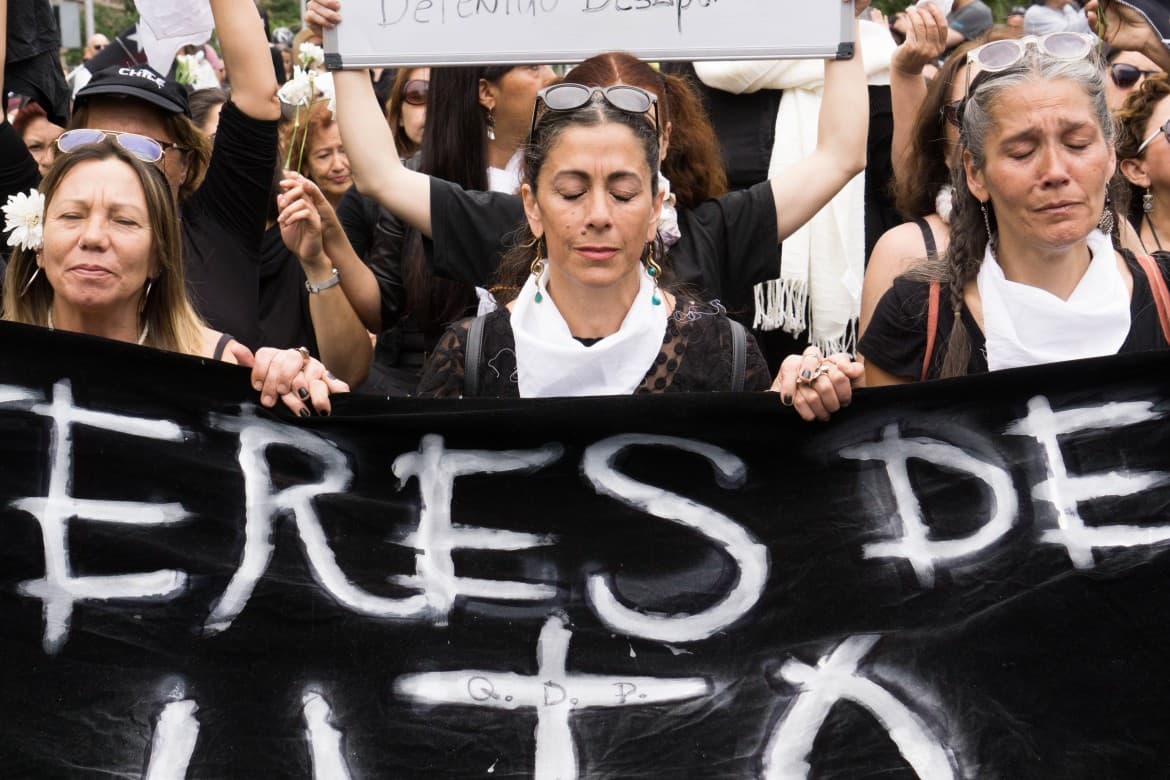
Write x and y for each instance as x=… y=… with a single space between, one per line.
x=312 y=56
x=297 y=91
x=24 y=219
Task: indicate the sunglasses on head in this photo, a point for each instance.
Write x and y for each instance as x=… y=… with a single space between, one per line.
x=1125 y=76
x=415 y=92
x=1164 y=130
x=998 y=56
x=568 y=96
x=146 y=149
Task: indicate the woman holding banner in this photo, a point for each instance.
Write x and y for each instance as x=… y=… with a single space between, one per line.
x=588 y=309
x=99 y=252
x=1031 y=275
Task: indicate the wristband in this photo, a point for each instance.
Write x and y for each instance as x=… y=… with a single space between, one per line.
x=332 y=281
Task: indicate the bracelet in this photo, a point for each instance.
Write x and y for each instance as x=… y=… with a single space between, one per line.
x=332 y=281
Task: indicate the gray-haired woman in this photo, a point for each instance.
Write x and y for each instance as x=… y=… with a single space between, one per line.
x=1031 y=275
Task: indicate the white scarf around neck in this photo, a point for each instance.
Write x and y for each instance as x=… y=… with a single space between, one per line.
x=819 y=284
x=1027 y=326
x=550 y=362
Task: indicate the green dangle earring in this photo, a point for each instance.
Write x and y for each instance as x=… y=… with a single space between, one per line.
x=654 y=271
x=537 y=268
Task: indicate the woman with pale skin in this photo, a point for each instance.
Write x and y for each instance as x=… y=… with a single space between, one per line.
x=406 y=110
x=38 y=134
x=1031 y=275
x=1143 y=148
x=588 y=310
x=1127 y=70
x=110 y=265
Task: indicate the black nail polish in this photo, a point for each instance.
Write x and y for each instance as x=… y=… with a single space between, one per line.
x=806 y=374
x=303 y=412
x=787 y=400
x=324 y=412
x=303 y=393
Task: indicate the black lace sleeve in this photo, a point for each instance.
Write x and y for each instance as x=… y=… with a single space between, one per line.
x=697 y=355
x=442 y=376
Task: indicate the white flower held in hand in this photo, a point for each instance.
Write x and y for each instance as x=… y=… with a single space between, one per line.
x=24 y=218
x=312 y=56
x=297 y=91
x=324 y=84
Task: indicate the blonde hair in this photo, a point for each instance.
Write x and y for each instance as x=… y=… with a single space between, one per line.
x=171 y=321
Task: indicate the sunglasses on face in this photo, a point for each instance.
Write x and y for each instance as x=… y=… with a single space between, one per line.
x=950 y=112
x=998 y=56
x=569 y=96
x=1125 y=76
x=415 y=92
x=146 y=149
x=1163 y=130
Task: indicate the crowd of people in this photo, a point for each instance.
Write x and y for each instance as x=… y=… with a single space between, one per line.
x=966 y=196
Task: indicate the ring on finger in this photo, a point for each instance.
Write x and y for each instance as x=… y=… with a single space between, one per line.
x=305 y=356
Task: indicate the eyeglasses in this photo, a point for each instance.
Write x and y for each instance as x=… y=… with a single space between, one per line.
x=998 y=56
x=146 y=149
x=415 y=92
x=950 y=112
x=1164 y=130
x=1125 y=76
x=568 y=96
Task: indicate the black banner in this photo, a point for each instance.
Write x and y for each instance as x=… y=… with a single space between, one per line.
x=962 y=579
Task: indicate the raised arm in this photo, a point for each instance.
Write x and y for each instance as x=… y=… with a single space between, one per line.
x=842 y=128
x=245 y=52
x=341 y=337
x=1127 y=29
x=926 y=38
x=369 y=144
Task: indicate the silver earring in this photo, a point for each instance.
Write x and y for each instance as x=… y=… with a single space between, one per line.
x=1105 y=224
x=1148 y=201
x=30 y=281
x=491 y=126
x=986 y=220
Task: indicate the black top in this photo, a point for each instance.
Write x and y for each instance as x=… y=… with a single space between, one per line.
x=696 y=357
x=357 y=214
x=223 y=225
x=896 y=338
x=222 y=222
x=285 y=321
x=728 y=243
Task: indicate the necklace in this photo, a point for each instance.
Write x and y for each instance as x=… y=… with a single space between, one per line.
x=1153 y=232
x=141 y=336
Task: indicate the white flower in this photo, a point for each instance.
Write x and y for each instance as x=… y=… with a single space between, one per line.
x=324 y=85
x=297 y=91
x=312 y=56
x=24 y=218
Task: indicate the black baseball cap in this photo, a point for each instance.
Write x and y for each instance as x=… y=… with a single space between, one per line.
x=137 y=81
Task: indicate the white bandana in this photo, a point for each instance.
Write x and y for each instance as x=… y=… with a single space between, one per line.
x=550 y=362
x=1027 y=326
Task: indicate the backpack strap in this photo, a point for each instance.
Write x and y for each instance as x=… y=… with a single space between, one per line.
x=1160 y=293
x=931 y=326
x=472 y=355
x=738 y=355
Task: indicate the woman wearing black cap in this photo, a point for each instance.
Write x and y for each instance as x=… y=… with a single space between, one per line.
x=223 y=196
